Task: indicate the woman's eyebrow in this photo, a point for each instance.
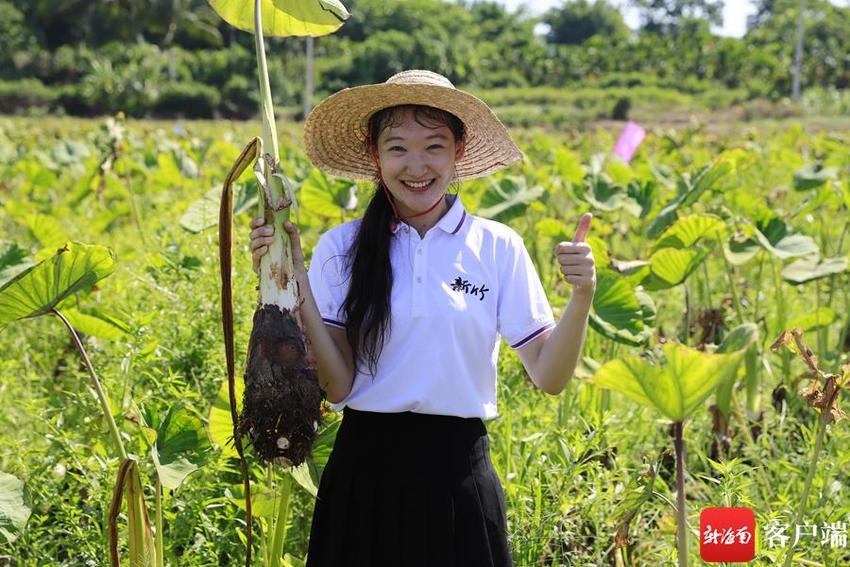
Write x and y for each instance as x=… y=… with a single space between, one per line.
x=429 y=137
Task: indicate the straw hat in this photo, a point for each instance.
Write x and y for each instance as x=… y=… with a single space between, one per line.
x=335 y=133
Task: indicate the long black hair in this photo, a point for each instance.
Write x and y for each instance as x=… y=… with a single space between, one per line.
x=367 y=304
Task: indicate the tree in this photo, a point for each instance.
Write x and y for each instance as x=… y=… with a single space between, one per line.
x=668 y=16
x=574 y=22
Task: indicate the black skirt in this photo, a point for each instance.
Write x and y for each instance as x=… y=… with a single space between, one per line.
x=409 y=489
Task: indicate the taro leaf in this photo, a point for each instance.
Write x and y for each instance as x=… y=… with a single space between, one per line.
x=13 y=260
x=618 y=313
x=220 y=421
x=203 y=213
x=568 y=166
x=813 y=176
x=309 y=473
x=284 y=18
x=740 y=252
x=691 y=187
x=45 y=229
x=38 y=289
x=96 y=323
x=262 y=499
x=807 y=269
x=688 y=230
x=776 y=237
x=603 y=196
x=180 y=448
x=324 y=196
x=738 y=339
x=816 y=319
x=676 y=389
x=643 y=193
x=670 y=267
x=633 y=271
x=508 y=198
x=13 y=512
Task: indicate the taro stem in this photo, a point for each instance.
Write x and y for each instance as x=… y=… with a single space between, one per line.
x=801 y=509
x=681 y=511
x=101 y=394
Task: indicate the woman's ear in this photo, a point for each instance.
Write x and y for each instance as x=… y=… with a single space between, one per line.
x=460 y=149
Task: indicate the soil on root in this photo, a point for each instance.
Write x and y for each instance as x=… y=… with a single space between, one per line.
x=281 y=409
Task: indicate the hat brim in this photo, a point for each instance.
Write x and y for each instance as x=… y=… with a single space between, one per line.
x=335 y=133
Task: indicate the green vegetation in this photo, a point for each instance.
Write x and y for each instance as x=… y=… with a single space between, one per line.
x=700 y=235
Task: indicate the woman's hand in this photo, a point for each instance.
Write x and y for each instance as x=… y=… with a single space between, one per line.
x=261 y=237
x=576 y=260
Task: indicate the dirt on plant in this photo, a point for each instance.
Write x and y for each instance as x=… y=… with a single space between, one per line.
x=281 y=409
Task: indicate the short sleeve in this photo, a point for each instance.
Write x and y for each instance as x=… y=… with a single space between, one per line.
x=523 y=309
x=328 y=280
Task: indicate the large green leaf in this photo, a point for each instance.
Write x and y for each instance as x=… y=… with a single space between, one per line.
x=619 y=312
x=691 y=186
x=220 y=420
x=37 y=290
x=606 y=197
x=739 y=339
x=13 y=512
x=808 y=269
x=688 y=230
x=309 y=473
x=96 y=323
x=671 y=266
x=676 y=389
x=508 y=198
x=13 y=261
x=203 y=213
x=284 y=17
x=180 y=448
x=324 y=196
x=815 y=319
x=813 y=176
x=776 y=237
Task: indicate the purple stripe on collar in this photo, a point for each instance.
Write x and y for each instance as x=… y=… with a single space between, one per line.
x=532 y=335
x=333 y=322
x=462 y=218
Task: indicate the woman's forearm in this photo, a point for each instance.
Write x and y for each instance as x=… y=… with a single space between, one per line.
x=334 y=365
x=560 y=352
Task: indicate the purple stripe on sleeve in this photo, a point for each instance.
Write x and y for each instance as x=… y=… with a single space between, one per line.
x=333 y=322
x=460 y=224
x=532 y=335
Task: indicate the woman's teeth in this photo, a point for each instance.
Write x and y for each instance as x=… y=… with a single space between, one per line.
x=418 y=185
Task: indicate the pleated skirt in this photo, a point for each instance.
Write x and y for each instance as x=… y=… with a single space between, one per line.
x=409 y=490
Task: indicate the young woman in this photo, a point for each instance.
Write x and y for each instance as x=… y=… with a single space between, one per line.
x=405 y=309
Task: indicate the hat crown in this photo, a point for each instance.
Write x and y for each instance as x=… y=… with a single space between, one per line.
x=420 y=77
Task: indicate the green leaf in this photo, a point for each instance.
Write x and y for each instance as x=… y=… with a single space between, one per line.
x=204 y=212
x=13 y=512
x=606 y=197
x=618 y=312
x=285 y=18
x=809 y=269
x=322 y=195
x=739 y=339
x=263 y=499
x=816 y=319
x=776 y=237
x=691 y=187
x=180 y=448
x=508 y=198
x=309 y=473
x=671 y=266
x=676 y=389
x=740 y=252
x=96 y=323
x=13 y=260
x=38 y=289
x=568 y=166
x=688 y=230
x=220 y=421
x=812 y=177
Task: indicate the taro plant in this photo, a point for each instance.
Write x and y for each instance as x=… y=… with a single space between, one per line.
x=676 y=388
x=821 y=393
x=282 y=400
x=43 y=289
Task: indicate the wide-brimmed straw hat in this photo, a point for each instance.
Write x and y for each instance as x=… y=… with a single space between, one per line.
x=336 y=132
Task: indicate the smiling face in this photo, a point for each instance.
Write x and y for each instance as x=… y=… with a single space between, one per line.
x=417 y=159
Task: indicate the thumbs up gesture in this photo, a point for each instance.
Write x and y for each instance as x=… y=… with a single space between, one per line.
x=576 y=260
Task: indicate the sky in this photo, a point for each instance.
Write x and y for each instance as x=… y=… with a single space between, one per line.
x=735 y=13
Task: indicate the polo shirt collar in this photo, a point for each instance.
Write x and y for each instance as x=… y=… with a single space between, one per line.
x=452 y=221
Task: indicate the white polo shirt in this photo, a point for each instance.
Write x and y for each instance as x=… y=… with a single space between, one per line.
x=455 y=292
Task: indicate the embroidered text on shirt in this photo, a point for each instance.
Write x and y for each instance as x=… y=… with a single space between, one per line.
x=460 y=284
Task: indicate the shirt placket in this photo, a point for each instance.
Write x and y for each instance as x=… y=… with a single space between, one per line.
x=420 y=259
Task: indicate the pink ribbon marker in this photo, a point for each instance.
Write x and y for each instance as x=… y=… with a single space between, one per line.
x=629 y=141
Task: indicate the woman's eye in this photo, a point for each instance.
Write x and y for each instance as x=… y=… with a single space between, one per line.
x=396 y=149
x=435 y=147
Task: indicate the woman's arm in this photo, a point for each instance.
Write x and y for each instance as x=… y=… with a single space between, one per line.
x=334 y=358
x=551 y=358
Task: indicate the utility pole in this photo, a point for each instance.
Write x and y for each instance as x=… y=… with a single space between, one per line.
x=798 y=53
x=308 y=79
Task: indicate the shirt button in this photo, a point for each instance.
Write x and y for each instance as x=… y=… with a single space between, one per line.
x=419 y=279
x=419 y=251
